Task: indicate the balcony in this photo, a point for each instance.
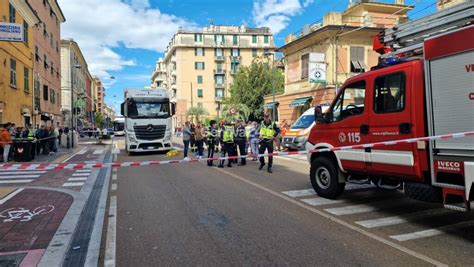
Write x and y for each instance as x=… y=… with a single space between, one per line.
x=219 y=72
x=219 y=58
x=233 y=71
x=173 y=59
x=220 y=85
x=235 y=59
x=173 y=73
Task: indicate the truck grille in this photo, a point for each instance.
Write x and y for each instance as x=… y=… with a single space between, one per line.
x=150 y=132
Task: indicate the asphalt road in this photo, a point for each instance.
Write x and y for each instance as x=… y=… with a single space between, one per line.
x=195 y=215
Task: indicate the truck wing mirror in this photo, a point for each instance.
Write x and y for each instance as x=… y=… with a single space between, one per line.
x=122 y=111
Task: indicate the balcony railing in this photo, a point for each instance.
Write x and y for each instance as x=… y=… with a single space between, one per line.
x=235 y=58
x=219 y=72
x=219 y=58
x=220 y=85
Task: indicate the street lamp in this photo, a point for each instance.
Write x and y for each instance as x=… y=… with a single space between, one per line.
x=267 y=54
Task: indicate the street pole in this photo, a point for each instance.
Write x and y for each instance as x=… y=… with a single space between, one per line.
x=273 y=87
x=72 y=95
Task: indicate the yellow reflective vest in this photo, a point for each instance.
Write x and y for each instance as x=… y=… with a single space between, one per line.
x=267 y=132
x=228 y=135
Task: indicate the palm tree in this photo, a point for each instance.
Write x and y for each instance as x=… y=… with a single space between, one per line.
x=196 y=112
x=243 y=112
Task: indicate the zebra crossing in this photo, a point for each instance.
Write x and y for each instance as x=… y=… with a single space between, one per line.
x=78 y=178
x=391 y=214
x=19 y=176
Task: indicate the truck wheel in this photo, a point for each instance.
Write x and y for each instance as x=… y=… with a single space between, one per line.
x=324 y=178
x=423 y=192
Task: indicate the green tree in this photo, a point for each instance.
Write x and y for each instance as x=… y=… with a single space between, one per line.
x=196 y=113
x=252 y=83
x=243 y=112
x=99 y=120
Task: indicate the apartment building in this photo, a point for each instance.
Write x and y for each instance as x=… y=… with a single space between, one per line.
x=198 y=66
x=74 y=73
x=320 y=57
x=16 y=67
x=99 y=91
x=47 y=68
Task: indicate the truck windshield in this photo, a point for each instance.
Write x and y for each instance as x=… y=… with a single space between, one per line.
x=303 y=122
x=148 y=109
x=119 y=126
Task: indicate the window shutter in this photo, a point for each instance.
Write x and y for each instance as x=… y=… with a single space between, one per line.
x=196 y=51
x=203 y=51
x=195 y=65
x=203 y=65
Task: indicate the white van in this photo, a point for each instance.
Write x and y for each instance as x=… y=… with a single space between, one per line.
x=297 y=135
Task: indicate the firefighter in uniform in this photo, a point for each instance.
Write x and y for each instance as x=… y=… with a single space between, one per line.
x=268 y=132
x=227 y=139
x=212 y=141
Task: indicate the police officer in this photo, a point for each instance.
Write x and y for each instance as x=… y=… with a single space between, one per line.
x=227 y=139
x=212 y=141
x=268 y=132
x=241 y=141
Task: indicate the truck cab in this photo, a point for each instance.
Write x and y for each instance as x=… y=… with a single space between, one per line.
x=147 y=116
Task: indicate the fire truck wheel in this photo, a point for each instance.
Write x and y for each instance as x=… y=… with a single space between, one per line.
x=324 y=178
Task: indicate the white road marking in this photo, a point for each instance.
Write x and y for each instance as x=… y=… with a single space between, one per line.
x=19 y=176
x=362 y=208
x=22 y=172
x=319 y=201
x=394 y=220
x=114 y=187
x=81 y=174
x=98 y=151
x=86 y=170
x=115 y=151
x=431 y=232
x=110 y=247
x=77 y=179
x=10 y=196
x=300 y=193
x=114 y=177
x=73 y=184
x=15 y=181
x=80 y=152
x=336 y=220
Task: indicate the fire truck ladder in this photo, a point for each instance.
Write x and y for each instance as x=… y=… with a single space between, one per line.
x=409 y=36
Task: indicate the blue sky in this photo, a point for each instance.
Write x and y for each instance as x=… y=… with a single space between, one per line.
x=127 y=49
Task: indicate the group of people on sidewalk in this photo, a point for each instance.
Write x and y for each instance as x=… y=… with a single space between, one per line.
x=44 y=140
x=233 y=140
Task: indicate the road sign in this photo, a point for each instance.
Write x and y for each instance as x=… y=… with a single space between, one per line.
x=232 y=111
x=11 y=32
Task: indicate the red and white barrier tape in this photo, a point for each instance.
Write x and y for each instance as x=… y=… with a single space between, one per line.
x=60 y=166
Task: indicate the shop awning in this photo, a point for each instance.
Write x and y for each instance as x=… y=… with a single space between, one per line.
x=270 y=105
x=300 y=101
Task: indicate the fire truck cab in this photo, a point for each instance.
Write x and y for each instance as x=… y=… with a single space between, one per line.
x=418 y=90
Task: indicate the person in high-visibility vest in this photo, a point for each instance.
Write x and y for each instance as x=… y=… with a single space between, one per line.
x=227 y=139
x=268 y=133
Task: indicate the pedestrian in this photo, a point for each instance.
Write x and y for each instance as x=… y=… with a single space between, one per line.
x=199 y=135
x=254 y=140
x=227 y=140
x=50 y=140
x=39 y=144
x=212 y=141
x=61 y=131
x=186 y=138
x=277 y=140
x=193 y=139
x=5 y=141
x=268 y=133
x=44 y=140
x=241 y=142
x=56 y=137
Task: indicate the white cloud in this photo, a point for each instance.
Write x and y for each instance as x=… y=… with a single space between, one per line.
x=276 y=14
x=100 y=26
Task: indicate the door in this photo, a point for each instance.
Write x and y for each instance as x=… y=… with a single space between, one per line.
x=345 y=121
x=391 y=119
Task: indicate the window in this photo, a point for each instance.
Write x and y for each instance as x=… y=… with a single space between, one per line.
x=304 y=66
x=199 y=92
x=235 y=52
x=45 y=93
x=350 y=102
x=235 y=39
x=25 y=32
x=52 y=68
x=45 y=31
x=265 y=39
x=219 y=66
x=12 y=13
x=389 y=95
x=45 y=61
x=357 y=59
x=199 y=79
x=51 y=39
x=199 y=51
x=37 y=57
x=219 y=93
x=26 y=80
x=198 y=37
x=219 y=52
x=199 y=65
x=51 y=95
x=13 y=72
x=57 y=46
x=254 y=52
x=219 y=79
x=254 y=39
x=219 y=39
x=234 y=66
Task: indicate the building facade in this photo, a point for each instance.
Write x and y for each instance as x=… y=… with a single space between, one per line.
x=322 y=56
x=73 y=76
x=47 y=68
x=16 y=65
x=99 y=92
x=199 y=66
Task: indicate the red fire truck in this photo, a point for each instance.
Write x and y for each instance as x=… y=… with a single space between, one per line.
x=423 y=86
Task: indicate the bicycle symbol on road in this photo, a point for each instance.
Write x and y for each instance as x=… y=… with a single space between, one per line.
x=24 y=215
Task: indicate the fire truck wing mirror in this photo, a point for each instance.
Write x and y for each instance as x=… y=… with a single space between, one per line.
x=122 y=111
x=318 y=114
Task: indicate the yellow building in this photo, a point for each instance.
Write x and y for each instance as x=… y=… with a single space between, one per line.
x=16 y=65
x=199 y=66
x=336 y=49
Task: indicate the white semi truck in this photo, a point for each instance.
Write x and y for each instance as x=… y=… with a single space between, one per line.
x=147 y=116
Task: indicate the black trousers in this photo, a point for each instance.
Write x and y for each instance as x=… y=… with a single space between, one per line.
x=227 y=149
x=242 y=146
x=211 y=146
x=266 y=144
